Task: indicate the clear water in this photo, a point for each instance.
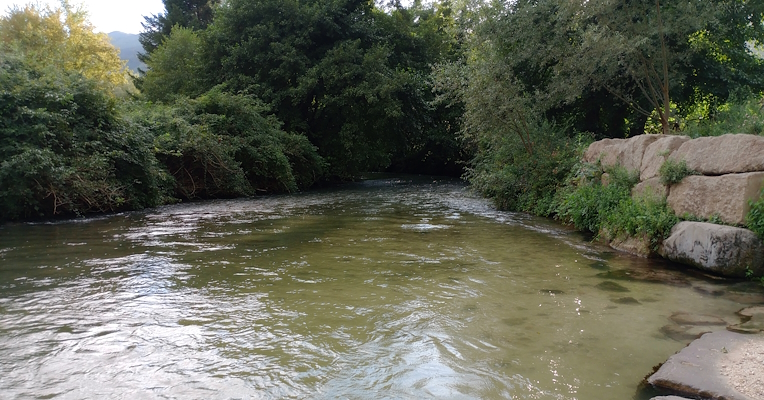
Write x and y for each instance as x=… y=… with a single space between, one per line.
x=397 y=288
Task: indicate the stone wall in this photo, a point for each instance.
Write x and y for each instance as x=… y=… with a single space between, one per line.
x=730 y=174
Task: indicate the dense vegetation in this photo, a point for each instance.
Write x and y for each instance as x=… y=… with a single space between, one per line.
x=255 y=96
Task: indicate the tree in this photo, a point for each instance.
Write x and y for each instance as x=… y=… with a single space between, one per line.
x=64 y=38
x=64 y=148
x=174 y=67
x=192 y=14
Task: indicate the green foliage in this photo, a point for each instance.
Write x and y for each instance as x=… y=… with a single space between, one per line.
x=64 y=148
x=610 y=209
x=739 y=115
x=63 y=38
x=672 y=172
x=191 y=14
x=755 y=217
x=351 y=78
x=517 y=180
x=223 y=145
x=174 y=67
x=586 y=202
x=641 y=217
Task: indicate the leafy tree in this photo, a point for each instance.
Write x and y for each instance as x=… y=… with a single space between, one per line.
x=351 y=78
x=63 y=38
x=192 y=14
x=174 y=67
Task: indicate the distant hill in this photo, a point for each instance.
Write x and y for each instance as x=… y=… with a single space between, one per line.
x=129 y=47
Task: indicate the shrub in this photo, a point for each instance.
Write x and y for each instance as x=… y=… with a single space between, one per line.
x=647 y=217
x=672 y=172
x=742 y=114
x=64 y=148
x=224 y=145
x=755 y=217
x=518 y=180
x=587 y=203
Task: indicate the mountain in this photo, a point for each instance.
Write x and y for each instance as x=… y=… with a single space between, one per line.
x=129 y=47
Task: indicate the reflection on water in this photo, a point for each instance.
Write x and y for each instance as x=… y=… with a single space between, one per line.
x=390 y=288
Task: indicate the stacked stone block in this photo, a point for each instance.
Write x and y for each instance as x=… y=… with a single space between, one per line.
x=730 y=175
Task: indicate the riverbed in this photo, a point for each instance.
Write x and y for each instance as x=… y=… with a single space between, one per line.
x=390 y=288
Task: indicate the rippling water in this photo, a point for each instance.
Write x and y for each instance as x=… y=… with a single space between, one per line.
x=402 y=288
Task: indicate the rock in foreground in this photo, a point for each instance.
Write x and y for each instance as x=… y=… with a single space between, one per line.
x=717 y=366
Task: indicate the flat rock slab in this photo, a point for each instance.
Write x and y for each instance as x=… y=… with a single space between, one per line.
x=754 y=324
x=669 y=398
x=720 y=366
x=682 y=318
x=751 y=311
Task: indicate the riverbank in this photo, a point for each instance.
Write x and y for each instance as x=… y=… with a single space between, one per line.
x=693 y=201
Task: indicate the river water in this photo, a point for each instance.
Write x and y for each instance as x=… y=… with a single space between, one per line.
x=392 y=288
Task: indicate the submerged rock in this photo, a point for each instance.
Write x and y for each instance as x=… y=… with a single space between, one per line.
x=647 y=275
x=611 y=286
x=751 y=311
x=635 y=245
x=752 y=320
x=551 y=292
x=711 y=290
x=754 y=324
x=683 y=318
x=626 y=300
x=683 y=333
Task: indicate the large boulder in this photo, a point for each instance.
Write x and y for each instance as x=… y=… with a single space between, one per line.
x=726 y=195
x=633 y=151
x=625 y=152
x=720 y=366
x=651 y=189
x=657 y=152
x=605 y=150
x=719 y=249
x=635 y=245
x=727 y=154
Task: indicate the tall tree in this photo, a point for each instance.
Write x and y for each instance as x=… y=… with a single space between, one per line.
x=192 y=14
x=351 y=78
x=64 y=38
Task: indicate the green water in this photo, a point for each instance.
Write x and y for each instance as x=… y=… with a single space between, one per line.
x=402 y=288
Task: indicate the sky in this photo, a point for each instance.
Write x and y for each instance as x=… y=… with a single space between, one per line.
x=106 y=15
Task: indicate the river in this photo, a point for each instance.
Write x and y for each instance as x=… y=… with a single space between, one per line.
x=390 y=288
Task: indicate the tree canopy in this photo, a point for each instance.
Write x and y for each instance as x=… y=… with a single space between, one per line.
x=63 y=37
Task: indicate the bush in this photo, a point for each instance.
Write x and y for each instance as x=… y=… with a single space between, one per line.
x=672 y=172
x=755 y=217
x=518 y=180
x=224 y=145
x=609 y=209
x=587 y=203
x=646 y=217
x=64 y=148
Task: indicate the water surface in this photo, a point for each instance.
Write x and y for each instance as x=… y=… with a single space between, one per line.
x=400 y=288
